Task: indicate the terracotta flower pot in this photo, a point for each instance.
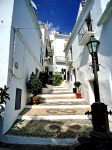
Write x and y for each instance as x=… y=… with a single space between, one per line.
x=34 y=100
x=78 y=95
x=40 y=91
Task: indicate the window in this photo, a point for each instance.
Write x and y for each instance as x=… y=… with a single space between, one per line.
x=46 y=52
x=51 y=59
x=41 y=60
x=18 y=99
x=71 y=51
x=36 y=72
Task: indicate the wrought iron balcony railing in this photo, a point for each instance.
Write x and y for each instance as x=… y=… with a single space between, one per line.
x=60 y=59
x=69 y=61
x=85 y=32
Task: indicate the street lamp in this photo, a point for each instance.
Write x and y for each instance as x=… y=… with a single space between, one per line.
x=98 y=110
x=93 y=46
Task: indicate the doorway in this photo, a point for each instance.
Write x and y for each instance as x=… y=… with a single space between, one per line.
x=64 y=74
x=91 y=92
x=74 y=74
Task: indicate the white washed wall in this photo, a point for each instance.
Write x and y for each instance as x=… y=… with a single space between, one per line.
x=6 y=10
x=82 y=58
x=59 y=47
x=105 y=61
x=26 y=54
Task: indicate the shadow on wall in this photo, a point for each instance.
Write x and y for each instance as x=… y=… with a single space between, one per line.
x=105 y=48
x=84 y=59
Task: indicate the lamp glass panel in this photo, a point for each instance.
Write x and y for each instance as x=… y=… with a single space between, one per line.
x=89 y=47
x=94 y=46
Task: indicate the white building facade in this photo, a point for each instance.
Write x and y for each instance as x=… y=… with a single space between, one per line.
x=94 y=18
x=58 y=42
x=46 y=47
x=20 y=54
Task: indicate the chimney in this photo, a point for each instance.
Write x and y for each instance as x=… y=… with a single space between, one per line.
x=83 y=2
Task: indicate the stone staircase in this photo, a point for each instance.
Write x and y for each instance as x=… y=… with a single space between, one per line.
x=57 y=121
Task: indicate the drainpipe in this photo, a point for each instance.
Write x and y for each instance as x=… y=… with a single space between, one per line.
x=13 y=51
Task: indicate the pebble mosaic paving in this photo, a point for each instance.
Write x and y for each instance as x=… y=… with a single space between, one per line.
x=51 y=129
x=53 y=111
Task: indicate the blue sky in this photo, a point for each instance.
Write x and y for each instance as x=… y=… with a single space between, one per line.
x=58 y=14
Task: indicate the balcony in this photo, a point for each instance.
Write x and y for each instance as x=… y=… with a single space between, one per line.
x=85 y=32
x=60 y=59
x=69 y=61
x=51 y=67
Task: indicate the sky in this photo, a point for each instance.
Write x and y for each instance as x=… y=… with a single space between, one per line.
x=59 y=15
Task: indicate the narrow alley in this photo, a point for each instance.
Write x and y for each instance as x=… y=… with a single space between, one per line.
x=58 y=119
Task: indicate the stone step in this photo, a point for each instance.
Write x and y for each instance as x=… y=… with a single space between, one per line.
x=57 y=96
x=56 y=122
x=62 y=92
x=61 y=100
x=54 y=111
x=51 y=103
x=53 y=132
x=58 y=89
x=32 y=144
x=55 y=117
x=57 y=106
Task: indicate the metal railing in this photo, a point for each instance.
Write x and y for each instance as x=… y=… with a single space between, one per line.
x=87 y=26
x=60 y=58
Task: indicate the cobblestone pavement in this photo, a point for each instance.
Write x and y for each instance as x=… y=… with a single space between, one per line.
x=53 y=111
x=51 y=129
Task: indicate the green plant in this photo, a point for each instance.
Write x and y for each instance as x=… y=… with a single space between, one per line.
x=57 y=79
x=34 y=85
x=77 y=85
x=3 y=94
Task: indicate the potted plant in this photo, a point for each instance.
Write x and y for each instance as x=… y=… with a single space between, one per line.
x=4 y=95
x=34 y=85
x=78 y=89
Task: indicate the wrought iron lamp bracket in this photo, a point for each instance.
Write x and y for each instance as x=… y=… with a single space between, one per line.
x=88 y=113
x=110 y=112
